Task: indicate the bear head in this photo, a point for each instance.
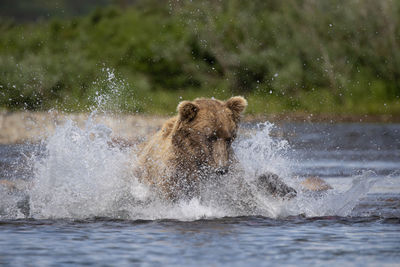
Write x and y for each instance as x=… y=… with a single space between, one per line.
x=204 y=131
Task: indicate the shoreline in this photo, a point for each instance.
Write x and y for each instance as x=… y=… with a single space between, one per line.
x=21 y=127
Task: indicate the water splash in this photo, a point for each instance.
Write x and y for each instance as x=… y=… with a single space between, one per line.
x=333 y=202
x=259 y=153
x=110 y=94
x=80 y=175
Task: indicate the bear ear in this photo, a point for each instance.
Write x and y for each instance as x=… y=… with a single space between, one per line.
x=237 y=104
x=187 y=110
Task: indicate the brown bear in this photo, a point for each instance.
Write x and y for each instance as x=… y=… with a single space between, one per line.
x=196 y=145
x=192 y=145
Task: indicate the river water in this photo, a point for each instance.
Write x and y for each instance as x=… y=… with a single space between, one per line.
x=78 y=203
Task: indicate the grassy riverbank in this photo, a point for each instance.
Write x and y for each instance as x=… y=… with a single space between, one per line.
x=328 y=58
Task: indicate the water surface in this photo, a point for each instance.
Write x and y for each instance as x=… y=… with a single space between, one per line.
x=75 y=219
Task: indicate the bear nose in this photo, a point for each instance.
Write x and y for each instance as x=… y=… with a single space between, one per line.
x=221 y=170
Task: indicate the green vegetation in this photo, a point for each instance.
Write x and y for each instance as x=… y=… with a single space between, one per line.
x=323 y=57
x=33 y=10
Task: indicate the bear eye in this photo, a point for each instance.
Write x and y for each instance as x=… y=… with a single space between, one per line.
x=212 y=138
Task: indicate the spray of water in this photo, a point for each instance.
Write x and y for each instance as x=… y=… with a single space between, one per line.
x=80 y=175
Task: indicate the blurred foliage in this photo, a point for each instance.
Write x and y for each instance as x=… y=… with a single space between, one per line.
x=331 y=56
x=33 y=10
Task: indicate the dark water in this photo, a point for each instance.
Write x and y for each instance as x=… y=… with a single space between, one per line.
x=370 y=235
x=226 y=241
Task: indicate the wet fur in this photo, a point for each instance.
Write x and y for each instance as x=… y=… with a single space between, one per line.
x=194 y=146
